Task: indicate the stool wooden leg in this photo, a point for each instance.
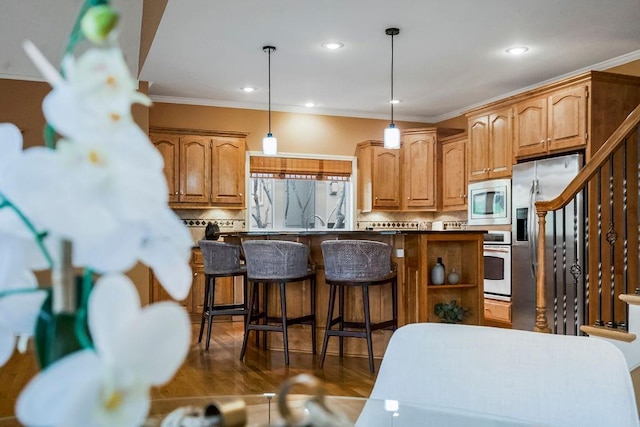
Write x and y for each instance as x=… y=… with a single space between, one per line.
x=285 y=329
x=205 y=308
x=325 y=341
x=212 y=294
x=265 y=308
x=253 y=302
x=394 y=297
x=313 y=312
x=367 y=324
x=341 y=323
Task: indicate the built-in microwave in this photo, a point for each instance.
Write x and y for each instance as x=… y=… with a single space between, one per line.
x=489 y=202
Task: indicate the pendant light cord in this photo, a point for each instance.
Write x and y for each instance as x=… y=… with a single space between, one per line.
x=391 y=101
x=269 y=74
x=269 y=49
x=392 y=32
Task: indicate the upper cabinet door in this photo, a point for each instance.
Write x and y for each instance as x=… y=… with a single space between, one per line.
x=479 y=148
x=531 y=127
x=195 y=169
x=567 y=118
x=419 y=151
x=454 y=176
x=500 y=144
x=386 y=178
x=169 y=146
x=228 y=171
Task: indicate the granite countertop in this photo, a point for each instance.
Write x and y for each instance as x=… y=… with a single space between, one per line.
x=343 y=232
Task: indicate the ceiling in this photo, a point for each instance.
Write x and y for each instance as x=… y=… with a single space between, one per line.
x=449 y=55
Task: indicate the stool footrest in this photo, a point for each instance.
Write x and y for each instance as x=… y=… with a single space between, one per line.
x=226 y=311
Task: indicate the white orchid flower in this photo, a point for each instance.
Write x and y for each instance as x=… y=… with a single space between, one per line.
x=18 y=315
x=161 y=241
x=109 y=386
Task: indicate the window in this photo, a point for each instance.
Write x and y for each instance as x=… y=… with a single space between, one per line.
x=299 y=194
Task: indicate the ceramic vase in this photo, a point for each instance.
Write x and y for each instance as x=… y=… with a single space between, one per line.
x=437 y=273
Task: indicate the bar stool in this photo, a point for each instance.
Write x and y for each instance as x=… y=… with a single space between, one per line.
x=220 y=260
x=271 y=262
x=360 y=263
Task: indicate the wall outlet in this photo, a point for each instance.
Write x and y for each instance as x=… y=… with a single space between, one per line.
x=399 y=253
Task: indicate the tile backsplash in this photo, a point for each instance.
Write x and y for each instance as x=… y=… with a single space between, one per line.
x=234 y=220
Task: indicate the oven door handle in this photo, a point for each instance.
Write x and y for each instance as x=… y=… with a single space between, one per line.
x=504 y=251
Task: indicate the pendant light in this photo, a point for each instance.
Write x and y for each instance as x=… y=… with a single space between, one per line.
x=392 y=133
x=269 y=142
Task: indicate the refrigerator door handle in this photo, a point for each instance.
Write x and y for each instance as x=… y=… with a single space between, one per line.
x=533 y=238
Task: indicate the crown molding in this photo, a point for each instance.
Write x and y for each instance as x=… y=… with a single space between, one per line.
x=284 y=109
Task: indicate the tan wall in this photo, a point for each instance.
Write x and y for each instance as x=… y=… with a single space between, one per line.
x=296 y=133
x=21 y=104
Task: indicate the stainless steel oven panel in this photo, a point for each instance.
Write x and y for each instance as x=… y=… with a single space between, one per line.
x=489 y=202
x=497 y=271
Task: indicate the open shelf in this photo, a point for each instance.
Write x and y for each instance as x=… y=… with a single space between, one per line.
x=456 y=286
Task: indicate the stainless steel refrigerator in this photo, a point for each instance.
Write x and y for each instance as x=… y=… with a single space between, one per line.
x=534 y=181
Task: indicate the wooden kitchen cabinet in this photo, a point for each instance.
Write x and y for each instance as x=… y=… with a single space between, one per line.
x=461 y=251
x=169 y=147
x=228 y=171
x=378 y=177
x=490 y=145
x=195 y=169
x=576 y=113
x=203 y=169
x=419 y=169
x=552 y=122
x=497 y=313
x=453 y=173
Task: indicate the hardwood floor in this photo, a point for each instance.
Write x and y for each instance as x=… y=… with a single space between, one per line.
x=219 y=371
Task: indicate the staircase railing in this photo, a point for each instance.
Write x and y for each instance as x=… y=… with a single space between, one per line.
x=604 y=231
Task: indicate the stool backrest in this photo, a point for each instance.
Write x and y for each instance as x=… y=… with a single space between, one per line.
x=356 y=259
x=275 y=259
x=219 y=257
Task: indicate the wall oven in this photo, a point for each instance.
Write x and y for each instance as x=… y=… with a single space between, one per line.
x=497 y=265
x=489 y=202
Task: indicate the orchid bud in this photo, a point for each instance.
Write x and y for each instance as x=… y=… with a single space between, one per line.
x=98 y=22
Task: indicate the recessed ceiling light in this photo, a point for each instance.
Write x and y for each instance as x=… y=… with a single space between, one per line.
x=309 y=104
x=518 y=50
x=395 y=101
x=332 y=45
x=248 y=89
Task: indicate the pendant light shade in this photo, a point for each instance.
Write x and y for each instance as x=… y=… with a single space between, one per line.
x=392 y=134
x=269 y=142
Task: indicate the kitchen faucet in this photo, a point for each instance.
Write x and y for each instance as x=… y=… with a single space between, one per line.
x=306 y=222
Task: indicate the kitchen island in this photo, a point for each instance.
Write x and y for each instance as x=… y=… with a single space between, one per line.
x=415 y=252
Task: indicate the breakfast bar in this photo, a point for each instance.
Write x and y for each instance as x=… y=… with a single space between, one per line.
x=415 y=253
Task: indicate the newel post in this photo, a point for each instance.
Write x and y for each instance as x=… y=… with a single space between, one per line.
x=541 y=298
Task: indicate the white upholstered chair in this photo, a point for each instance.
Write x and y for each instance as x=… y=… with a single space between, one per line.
x=550 y=380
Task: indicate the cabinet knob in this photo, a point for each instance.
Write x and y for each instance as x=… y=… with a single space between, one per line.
x=182 y=193
x=240 y=194
x=195 y=274
x=176 y=193
x=408 y=198
x=549 y=140
x=542 y=142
